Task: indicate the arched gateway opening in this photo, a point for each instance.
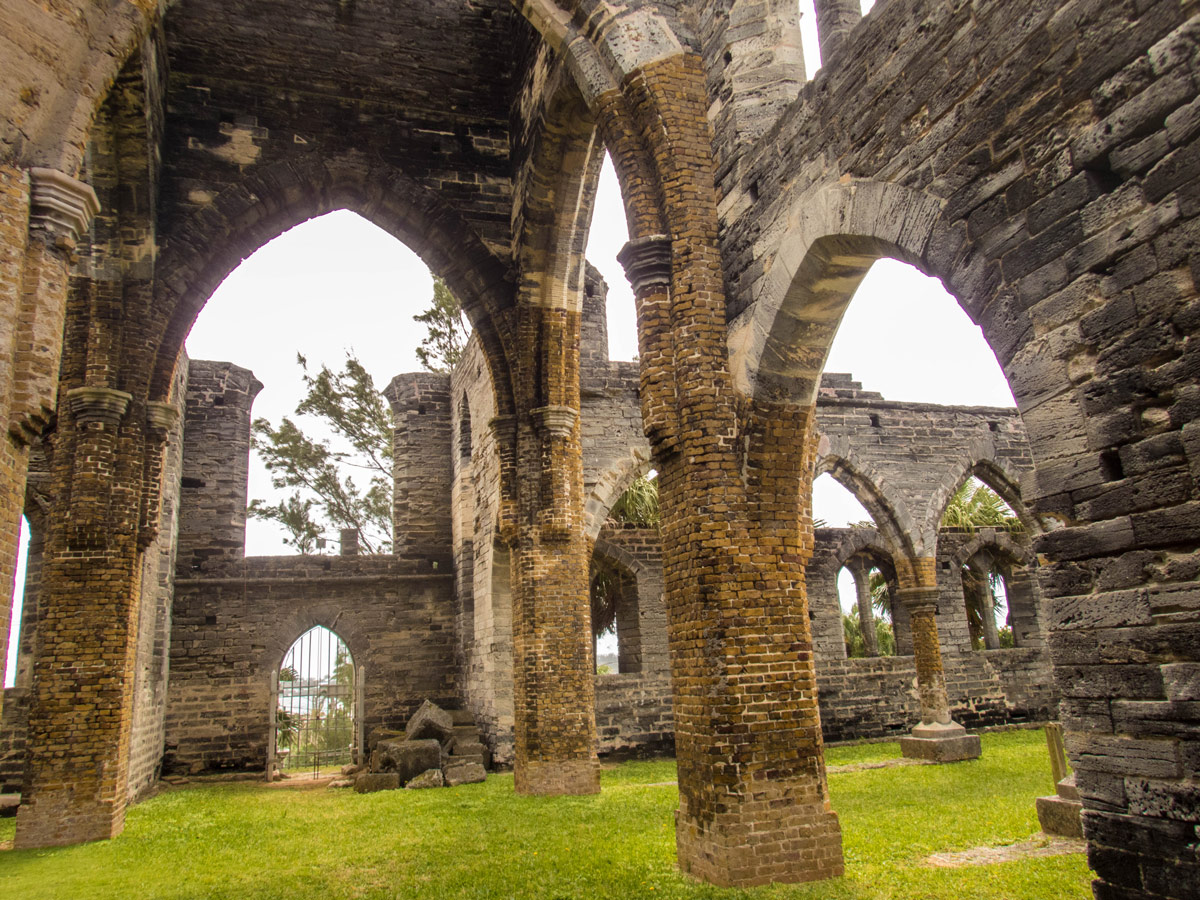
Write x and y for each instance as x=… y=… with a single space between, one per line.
x=317 y=695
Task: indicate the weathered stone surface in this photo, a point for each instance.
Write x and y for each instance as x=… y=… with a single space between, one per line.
x=430 y=778
x=408 y=759
x=464 y=772
x=1061 y=816
x=941 y=750
x=430 y=722
x=369 y=782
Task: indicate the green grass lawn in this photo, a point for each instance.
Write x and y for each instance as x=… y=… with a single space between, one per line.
x=252 y=842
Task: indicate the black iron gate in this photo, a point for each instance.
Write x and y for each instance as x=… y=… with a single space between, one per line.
x=315 y=714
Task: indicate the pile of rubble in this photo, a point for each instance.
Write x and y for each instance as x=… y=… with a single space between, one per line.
x=439 y=748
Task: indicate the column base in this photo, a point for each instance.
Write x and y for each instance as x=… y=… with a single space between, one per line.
x=941 y=743
x=1062 y=814
x=47 y=822
x=568 y=776
x=761 y=844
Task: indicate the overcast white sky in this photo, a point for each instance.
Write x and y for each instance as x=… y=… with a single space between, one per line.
x=338 y=282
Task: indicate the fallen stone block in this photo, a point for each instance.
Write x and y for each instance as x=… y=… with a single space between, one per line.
x=369 y=782
x=464 y=772
x=408 y=759
x=431 y=722
x=430 y=778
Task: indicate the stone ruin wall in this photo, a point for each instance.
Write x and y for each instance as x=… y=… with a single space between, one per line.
x=151 y=664
x=435 y=623
x=233 y=627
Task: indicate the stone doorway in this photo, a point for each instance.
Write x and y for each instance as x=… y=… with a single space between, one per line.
x=316 y=697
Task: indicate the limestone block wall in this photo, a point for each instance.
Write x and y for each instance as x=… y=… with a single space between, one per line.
x=216 y=462
x=633 y=714
x=423 y=465
x=483 y=598
x=859 y=698
x=154 y=617
x=232 y=627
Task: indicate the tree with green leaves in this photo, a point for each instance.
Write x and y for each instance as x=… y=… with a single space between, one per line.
x=324 y=496
x=447 y=329
x=885 y=638
x=639 y=504
x=975 y=505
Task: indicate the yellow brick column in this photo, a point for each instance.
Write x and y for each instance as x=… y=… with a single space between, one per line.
x=554 y=701
x=81 y=708
x=43 y=213
x=735 y=488
x=937 y=736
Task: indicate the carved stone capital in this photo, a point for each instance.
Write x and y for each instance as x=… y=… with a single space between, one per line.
x=503 y=429
x=647 y=262
x=161 y=416
x=60 y=204
x=918 y=600
x=556 y=421
x=97 y=404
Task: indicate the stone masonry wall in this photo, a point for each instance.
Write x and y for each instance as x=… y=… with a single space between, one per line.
x=216 y=460
x=232 y=627
x=154 y=617
x=423 y=466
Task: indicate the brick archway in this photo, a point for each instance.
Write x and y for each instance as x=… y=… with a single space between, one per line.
x=202 y=250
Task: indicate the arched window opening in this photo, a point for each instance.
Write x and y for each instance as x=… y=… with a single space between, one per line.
x=607 y=587
x=612 y=324
x=946 y=359
x=835 y=507
x=986 y=598
x=18 y=604
x=865 y=594
x=316 y=709
x=342 y=271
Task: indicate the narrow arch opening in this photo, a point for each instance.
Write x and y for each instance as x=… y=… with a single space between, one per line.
x=365 y=287
x=866 y=597
x=316 y=708
x=18 y=606
x=609 y=232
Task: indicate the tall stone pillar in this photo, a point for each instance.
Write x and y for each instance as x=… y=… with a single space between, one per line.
x=81 y=709
x=754 y=805
x=937 y=737
x=861 y=571
x=554 y=702
x=43 y=213
x=835 y=20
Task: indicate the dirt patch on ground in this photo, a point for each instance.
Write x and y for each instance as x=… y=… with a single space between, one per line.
x=1038 y=845
x=878 y=764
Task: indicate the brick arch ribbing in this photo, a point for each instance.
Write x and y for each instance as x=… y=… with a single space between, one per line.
x=205 y=248
x=98 y=39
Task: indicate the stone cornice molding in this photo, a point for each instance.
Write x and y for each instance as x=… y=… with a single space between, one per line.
x=556 y=421
x=97 y=404
x=60 y=204
x=647 y=262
